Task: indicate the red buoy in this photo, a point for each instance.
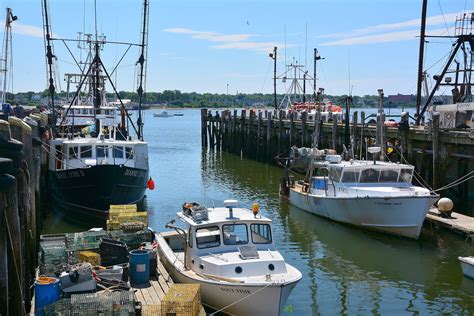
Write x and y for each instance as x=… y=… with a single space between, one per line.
x=151 y=184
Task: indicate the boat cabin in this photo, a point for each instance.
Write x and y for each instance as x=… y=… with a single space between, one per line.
x=229 y=242
x=107 y=148
x=334 y=176
x=83 y=115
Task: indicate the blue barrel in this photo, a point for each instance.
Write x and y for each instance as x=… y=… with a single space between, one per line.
x=139 y=266
x=46 y=292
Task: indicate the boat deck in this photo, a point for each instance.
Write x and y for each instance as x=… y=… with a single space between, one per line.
x=152 y=293
x=458 y=223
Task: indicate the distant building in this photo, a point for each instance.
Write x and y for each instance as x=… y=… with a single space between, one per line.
x=401 y=98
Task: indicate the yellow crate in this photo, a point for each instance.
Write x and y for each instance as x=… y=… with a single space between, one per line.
x=125 y=226
x=182 y=300
x=121 y=208
x=89 y=256
x=131 y=217
x=114 y=215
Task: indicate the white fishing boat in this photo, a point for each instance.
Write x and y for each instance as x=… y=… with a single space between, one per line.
x=374 y=195
x=231 y=253
x=163 y=114
x=467 y=265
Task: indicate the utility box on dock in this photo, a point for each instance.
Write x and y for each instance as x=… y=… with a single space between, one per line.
x=182 y=300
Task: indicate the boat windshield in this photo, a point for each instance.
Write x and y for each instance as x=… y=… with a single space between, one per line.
x=235 y=234
x=208 y=237
x=350 y=176
x=335 y=173
x=405 y=175
x=369 y=175
x=261 y=233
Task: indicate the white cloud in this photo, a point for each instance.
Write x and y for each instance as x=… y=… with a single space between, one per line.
x=383 y=33
x=227 y=41
x=26 y=30
x=382 y=38
x=211 y=36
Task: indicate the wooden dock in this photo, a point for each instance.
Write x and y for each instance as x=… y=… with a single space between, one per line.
x=458 y=223
x=152 y=293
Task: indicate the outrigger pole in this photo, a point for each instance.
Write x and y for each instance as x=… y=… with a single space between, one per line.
x=141 y=61
x=49 y=57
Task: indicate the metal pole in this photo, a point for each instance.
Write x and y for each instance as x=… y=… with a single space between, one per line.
x=314 y=81
x=275 y=77
x=420 y=59
x=304 y=87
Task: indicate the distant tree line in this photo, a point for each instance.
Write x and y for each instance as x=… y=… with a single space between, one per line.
x=178 y=99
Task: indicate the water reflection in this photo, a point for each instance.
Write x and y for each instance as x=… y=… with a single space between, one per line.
x=346 y=269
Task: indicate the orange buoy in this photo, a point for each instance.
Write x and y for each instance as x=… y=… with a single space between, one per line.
x=151 y=184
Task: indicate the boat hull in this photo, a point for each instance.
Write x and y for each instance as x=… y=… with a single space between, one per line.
x=232 y=298
x=401 y=216
x=92 y=190
x=467 y=265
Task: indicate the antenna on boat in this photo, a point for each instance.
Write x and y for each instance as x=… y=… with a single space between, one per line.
x=142 y=73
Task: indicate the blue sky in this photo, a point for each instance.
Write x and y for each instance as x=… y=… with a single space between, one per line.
x=202 y=46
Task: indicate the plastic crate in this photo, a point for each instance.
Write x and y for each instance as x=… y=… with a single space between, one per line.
x=89 y=256
x=182 y=300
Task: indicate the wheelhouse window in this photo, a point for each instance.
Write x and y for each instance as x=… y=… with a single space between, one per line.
x=350 y=176
x=335 y=174
x=128 y=152
x=405 y=175
x=208 y=237
x=118 y=152
x=235 y=234
x=86 y=151
x=101 y=151
x=73 y=152
x=369 y=175
x=388 y=175
x=261 y=233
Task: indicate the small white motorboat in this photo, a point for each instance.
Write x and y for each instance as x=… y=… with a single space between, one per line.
x=467 y=265
x=373 y=195
x=231 y=253
x=163 y=114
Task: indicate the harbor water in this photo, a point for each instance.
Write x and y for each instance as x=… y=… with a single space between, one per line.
x=346 y=270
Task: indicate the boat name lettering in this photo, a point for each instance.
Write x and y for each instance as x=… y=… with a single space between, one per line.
x=389 y=203
x=134 y=173
x=241 y=291
x=71 y=174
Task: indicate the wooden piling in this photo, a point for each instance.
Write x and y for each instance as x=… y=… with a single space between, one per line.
x=204 y=127
x=259 y=137
x=292 y=129
x=435 y=145
x=354 y=135
x=269 y=136
x=334 y=133
x=304 y=118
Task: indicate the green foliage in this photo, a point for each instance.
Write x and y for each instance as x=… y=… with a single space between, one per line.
x=178 y=99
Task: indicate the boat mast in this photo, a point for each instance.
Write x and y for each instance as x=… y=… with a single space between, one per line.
x=8 y=34
x=49 y=57
x=421 y=57
x=464 y=39
x=141 y=62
